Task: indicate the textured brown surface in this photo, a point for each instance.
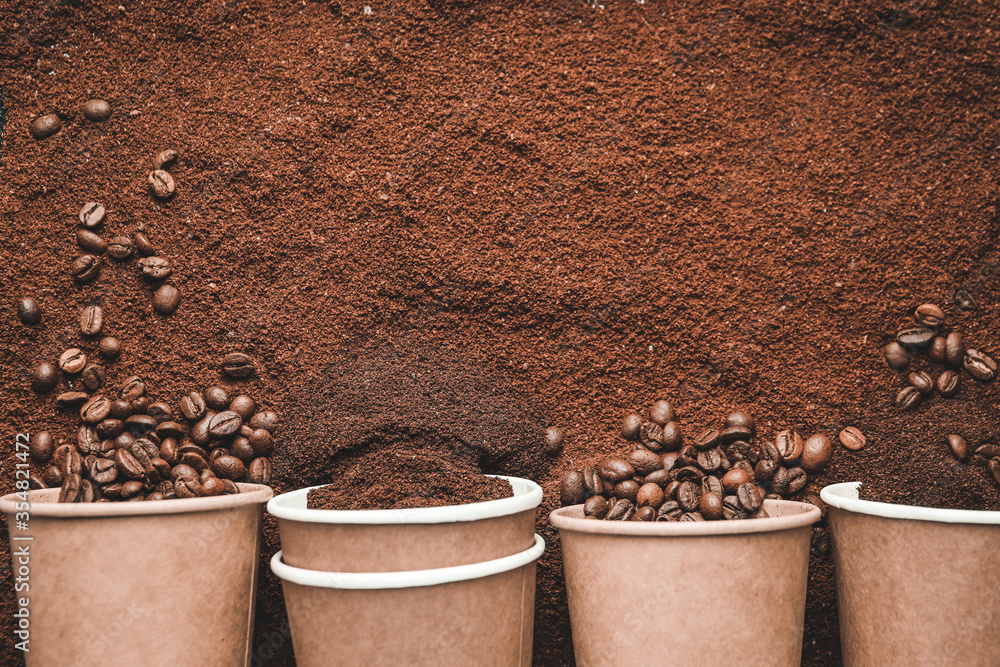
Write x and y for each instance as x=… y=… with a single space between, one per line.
x=727 y=204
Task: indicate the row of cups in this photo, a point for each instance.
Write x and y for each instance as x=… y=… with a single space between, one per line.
x=456 y=585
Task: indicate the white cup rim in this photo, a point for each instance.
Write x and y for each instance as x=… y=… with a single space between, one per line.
x=409 y=579
x=845 y=496
x=292 y=506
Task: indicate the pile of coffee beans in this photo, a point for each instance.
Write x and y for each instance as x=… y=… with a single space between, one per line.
x=133 y=448
x=724 y=473
x=945 y=348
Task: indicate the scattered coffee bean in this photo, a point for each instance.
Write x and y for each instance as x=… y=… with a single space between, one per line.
x=237 y=365
x=789 y=445
x=994 y=468
x=93 y=376
x=216 y=398
x=921 y=381
x=896 y=357
x=193 y=406
x=929 y=315
x=71 y=399
x=187 y=487
x=28 y=311
x=262 y=442
x=165 y=159
x=96 y=110
x=91 y=242
x=92 y=214
x=109 y=347
x=852 y=439
x=91 y=320
x=954 y=349
x=72 y=361
x=816 y=453
x=132 y=388
x=45 y=126
x=964 y=300
x=649 y=495
x=155 y=268
x=631 y=426
x=948 y=384
x=938 y=350
x=708 y=439
x=554 y=436
x=143 y=245
x=987 y=451
x=139 y=405
x=166 y=299
x=259 y=471
x=85 y=268
x=915 y=337
x=571 y=490
x=120 y=247
x=662 y=412
x=907 y=398
x=980 y=365
x=44 y=377
x=41 y=446
x=265 y=419
x=161 y=183
x=244 y=406
x=616 y=470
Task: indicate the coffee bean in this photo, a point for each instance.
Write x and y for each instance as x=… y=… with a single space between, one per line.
x=120 y=409
x=571 y=490
x=95 y=410
x=710 y=484
x=816 y=453
x=96 y=110
x=93 y=376
x=915 y=336
x=139 y=405
x=669 y=511
x=72 y=361
x=852 y=439
x=71 y=463
x=91 y=320
x=52 y=477
x=187 y=487
x=994 y=469
x=133 y=388
x=41 y=446
x=988 y=451
x=237 y=365
x=229 y=467
x=45 y=126
x=244 y=406
x=896 y=356
x=85 y=268
x=710 y=506
x=797 y=480
x=260 y=471
x=140 y=423
x=789 y=445
x=44 y=377
x=709 y=460
x=110 y=427
x=155 y=268
x=651 y=436
x=554 y=436
x=92 y=214
x=199 y=431
x=91 y=242
x=120 y=247
x=265 y=419
x=907 y=398
x=733 y=433
x=622 y=510
x=954 y=348
x=644 y=461
x=127 y=464
x=764 y=470
x=104 y=471
x=170 y=429
x=165 y=159
x=166 y=299
x=616 y=470
x=142 y=244
x=659 y=477
x=948 y=384
x=193 y=406
x=161 y=183
x=688 y=473
x=213 y=487
x=938 y=350
x=160 y=411
x=71 y=490
x=196 y=461
x=87 y=440
x=688 y=495
x=262 y=442
x=649 y=495
x=980 y=365
x=921 y=381
x=596 y=506
x=735 y=478
x=708 y=439
x=691 y=516
x=672 y=437
x=644 y=514
x=743 y=419
x=28 y=311
x=929 y=315
x=750 y=498
x=964 y=300
x=109 y=347
x=662 y=412
x=224 y=424
x=741 y=450
x=628 y=488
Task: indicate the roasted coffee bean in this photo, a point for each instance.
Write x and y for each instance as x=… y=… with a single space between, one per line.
x=72 y=463
x=929 y=315
x=44 y=377
x=741 y=450
x=182 y=470
x=224 y=424
x=649 y=495
x=160 y=411
x=643 y=461
x=110 y=428
x=994 y=469
x=127 y=464
x=710 y=506
x=216 y=398
x=938 y=350
x=948 y=383
x=670 y=459
x=168 y=450
x=237 y=365
x=628 y=488
x=750 y=498
x=193 y=406
x=143 y=245
x=662 y=412
x=188 y=446
x=630 y=427
x=71 y=399
x=709 y=460
x=155 y=268
x=262 y=442
x=596 y=506
x=615 y=470
x=852 y=439
x=72 y=489
x=229 y=467
x=170 y=429
x=120 y=247
x=735 y=478
x=93 y=376
x=554 y=436
x=896 y=357
x=670 y=490
x=921 y=381
x=797 y=480
x=954 y=349
x=907 y=398
x=120 y=409
x=244 y=406
x=199 y=431
x=166 y=299
x=41 y=446
x=85 y=268
x=92 y=214
x=745 y=467
x=988 y=451
x=52 y=477
x=265 y=419
x=28 y=311
x=216 y=453
x=710 y=484
x=743 y=419
x=688 y=494
x=819 y=543
x=36 y=483
x=230 y=486
x=688 y=474
x=161 y=184
x=109 y=347
x=916 y=337
x=592 y=482
x=165 y=159
x=669 y=511
x=140 y=423
x=96 y=110
x=72 y=361
x=764 y=471
x=145 y=451
x=259 y=471
x=691 y=516
x=90 y=242
x=95 y=410
x=187 y=487
x=980 y=365
x=644 y=514
x=196 y=461
x=133 y=388
x=708 y=439
x=733 y=433
x=212 y=487
x=104 y=471
x=659 y=477
x=780 y=480
x=91 y=320
x=816 y=453
x=731 y=509
x=45 y=126
x=139 y=405
x=622 y=510
x=132 y=490
x=964 y=301
x=672 y=437
x=651 y=436
x=124 y=440
x=789 y=444
x=155 y=495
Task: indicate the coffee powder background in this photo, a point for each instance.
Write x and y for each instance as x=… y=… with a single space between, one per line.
x=726 y=204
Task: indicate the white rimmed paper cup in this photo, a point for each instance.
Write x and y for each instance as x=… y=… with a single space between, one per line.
x=915 y=585
x=405 y=539
x=473 y=614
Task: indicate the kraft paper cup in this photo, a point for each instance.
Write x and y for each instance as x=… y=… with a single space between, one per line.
x=915 y=585
x=698 y=593
x=167 y=582
x=405 y=539
x=476 y=614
